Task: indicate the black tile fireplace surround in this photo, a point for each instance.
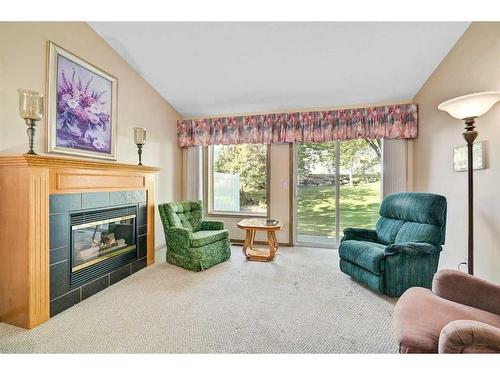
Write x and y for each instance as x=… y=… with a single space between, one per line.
x=73 y=279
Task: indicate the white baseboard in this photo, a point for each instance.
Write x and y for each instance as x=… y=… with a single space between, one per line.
x=160 y=246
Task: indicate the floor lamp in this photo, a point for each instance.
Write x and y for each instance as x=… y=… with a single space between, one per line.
x=468 y=108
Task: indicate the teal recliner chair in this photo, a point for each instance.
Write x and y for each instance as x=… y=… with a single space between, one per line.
x=403 y=250
x=193 y=243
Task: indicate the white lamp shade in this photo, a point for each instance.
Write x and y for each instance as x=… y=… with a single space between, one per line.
x=470 y=106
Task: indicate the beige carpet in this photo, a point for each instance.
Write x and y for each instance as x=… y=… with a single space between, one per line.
x=300 y=303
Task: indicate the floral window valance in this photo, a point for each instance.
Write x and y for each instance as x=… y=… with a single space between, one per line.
x=394 y=121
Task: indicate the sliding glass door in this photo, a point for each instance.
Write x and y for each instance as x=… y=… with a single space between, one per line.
x=337 y=185
x=315 y=193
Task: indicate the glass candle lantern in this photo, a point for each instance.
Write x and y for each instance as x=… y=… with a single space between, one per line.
x=30 y=105
x=140 y=140
x=140 y=136
x=31 y=110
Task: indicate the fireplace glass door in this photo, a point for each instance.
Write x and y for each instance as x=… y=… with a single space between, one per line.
x=100 y=240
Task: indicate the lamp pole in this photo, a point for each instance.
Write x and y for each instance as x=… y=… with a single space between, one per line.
x=470 y=135
x=467 y=108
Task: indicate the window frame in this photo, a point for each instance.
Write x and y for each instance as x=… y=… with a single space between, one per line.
x=208 y=152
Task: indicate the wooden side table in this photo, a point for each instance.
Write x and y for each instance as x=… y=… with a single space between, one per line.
x=252 y=226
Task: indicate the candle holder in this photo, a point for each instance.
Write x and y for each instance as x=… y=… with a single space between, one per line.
x=31 y=110
x=31 y=135
x=139 y=152
x=140 y=140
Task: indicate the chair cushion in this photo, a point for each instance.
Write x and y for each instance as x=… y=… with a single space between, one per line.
x=423 y=208
x=420 y=316
x=418 y=207
x=369 y=255
x=185 y=214
x=205 y=237
x=417 y=232
x=387 y=229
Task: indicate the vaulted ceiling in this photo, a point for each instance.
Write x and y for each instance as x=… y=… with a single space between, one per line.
x=209 y=68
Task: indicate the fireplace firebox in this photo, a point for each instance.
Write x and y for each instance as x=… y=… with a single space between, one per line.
x=98 y=241
x=101 y=241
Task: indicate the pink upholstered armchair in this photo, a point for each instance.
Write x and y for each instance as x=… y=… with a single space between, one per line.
x=460 y=315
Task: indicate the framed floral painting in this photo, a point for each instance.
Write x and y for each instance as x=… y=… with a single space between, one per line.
x=82 y=106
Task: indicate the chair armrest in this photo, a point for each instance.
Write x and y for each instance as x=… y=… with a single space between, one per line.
x=469 y=336
x=360 y=234
x=467 y=290
x=212 y=225
x=178 y=238
x=186 y=233
x=411 y=248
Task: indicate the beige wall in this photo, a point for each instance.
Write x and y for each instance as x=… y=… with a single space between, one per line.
x=472 y=65
x=23 y=65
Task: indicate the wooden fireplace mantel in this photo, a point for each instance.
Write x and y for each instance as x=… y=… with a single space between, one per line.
x=26 y=182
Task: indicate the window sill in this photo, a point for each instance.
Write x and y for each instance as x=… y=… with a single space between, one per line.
x=235 y=214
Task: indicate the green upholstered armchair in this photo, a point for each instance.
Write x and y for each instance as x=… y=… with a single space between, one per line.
x=193 y=243
x=403 y=250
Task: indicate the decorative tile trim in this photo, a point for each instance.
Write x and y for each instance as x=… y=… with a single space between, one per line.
x=95 y=200
x=65 y=202
x=126 y=197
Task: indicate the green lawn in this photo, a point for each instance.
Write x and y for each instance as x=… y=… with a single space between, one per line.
x=316 y=208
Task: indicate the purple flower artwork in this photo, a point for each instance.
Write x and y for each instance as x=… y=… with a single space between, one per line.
x=83 y=109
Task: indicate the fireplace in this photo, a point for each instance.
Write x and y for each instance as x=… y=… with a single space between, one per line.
x=39 y=195
x=96 y=240
x=101 y=241
x=98 y=236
